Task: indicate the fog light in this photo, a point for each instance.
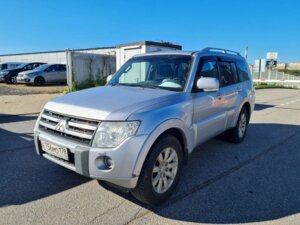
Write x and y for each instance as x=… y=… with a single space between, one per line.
x=109 y=163
x=104 y=163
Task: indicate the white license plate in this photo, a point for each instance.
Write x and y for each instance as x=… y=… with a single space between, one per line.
x=55 y=150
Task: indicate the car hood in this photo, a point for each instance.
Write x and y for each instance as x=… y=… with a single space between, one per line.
x=108 y=102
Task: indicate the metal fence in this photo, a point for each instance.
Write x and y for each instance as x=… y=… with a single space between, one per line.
x=277 y=78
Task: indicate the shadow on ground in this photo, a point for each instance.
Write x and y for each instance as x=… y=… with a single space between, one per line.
x=8 y=118
x=255 y=181
x=25 y=176
x=259 y=107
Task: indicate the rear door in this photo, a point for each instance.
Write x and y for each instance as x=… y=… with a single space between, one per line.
x=209 y=115
x=230 y=88
x=62 y=73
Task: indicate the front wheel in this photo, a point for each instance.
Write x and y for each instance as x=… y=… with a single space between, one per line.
x=13 y=80
x=238 y=133
x=39 y=81
x=161 y=171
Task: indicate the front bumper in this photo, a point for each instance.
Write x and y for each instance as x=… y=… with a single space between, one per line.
x=86 y=158
x=24 y=80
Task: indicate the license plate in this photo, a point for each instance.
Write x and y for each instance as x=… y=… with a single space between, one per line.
x=55 y=150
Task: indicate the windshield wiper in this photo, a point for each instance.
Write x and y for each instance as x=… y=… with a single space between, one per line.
x=122 y=84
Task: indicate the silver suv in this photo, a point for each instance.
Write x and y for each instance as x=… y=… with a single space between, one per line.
x=137 y=132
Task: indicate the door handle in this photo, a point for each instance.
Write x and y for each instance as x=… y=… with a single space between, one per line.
x=220 y=95
x=238 y=90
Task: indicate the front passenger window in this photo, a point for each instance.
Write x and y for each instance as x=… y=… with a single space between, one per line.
x=208 y=69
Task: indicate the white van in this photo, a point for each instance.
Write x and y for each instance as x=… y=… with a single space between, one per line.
x=9 y=65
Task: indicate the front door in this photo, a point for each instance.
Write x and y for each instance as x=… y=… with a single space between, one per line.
x=209 y=115
x=52 y=74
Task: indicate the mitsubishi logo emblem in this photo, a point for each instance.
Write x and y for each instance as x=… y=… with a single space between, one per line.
x=61 y=125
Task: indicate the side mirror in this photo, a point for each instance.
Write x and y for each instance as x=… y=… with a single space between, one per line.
x=208 y=84
x=108 y=78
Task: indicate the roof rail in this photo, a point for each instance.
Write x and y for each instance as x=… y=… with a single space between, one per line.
x=226 y=51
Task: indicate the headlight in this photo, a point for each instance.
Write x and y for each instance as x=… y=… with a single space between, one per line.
x=111 y=134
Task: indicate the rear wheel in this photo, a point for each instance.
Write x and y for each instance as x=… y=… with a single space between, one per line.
x=38 y=81
x=161 y=171
x=238 y=133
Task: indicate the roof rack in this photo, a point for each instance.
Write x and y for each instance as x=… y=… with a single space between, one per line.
x=225 y=51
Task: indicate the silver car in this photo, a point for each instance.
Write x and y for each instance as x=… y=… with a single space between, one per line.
x=138 y=131
x=47 y=73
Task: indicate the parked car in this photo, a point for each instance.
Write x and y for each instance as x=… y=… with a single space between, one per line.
x=47 y=73
x=7 y=66
x=138 y=130
x=10 y=75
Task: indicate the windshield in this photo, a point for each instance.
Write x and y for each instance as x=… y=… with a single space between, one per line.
x=42 y=67
x=161 y=71
x=21 y=65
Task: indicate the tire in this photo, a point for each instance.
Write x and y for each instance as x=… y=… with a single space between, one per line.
x=238 y=133
x=13 y=80
x=39 y=81
x=154 y=187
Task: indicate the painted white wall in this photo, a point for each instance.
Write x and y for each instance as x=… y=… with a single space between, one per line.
x=122 y=53
x=126 y=52
x=50 y=57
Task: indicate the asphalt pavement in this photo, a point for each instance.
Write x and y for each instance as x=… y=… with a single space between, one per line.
x=257 y=181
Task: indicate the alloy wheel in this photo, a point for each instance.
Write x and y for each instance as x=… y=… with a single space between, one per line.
x=165 y=170
x=242 y=125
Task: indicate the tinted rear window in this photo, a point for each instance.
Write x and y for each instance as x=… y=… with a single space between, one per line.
x=242 y=69
x=228 y=74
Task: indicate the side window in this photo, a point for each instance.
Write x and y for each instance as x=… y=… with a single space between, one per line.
x=37 y=65
x=62 y=67
x=3 y=67
x=208 y=69
x=29 y=67
x=50 y=69
x=56 y=68
x=228 y=74
x=242 y=69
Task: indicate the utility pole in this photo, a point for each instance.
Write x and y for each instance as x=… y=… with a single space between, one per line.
x=246 y=52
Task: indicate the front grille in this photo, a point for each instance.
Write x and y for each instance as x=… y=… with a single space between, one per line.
x=69 y=127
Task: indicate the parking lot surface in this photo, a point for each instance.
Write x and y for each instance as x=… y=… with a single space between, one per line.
x=22 y=89
x=257 y=181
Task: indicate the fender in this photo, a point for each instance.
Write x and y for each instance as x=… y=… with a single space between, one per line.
x=161 y=128
x=239 y=111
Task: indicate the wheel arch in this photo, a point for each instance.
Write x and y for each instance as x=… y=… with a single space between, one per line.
x=174 y=127
x=39 y=77
x=246 y=105
x=248 y=108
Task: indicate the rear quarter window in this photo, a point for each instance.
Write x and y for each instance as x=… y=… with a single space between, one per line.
x=242 y=69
